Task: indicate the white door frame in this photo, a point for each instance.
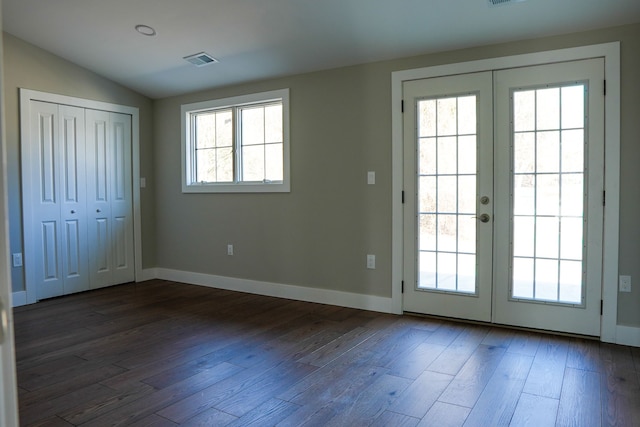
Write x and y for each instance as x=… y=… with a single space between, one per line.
x=611 y=54
x=27 y=95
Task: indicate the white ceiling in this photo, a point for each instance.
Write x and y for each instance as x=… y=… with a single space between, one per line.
x=258 y=39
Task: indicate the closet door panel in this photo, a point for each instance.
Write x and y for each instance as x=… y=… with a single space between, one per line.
x=99 y=198
x=43 y=257
x=73 y=200
x=121 y=202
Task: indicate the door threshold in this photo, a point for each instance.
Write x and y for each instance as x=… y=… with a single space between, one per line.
x=498 y=325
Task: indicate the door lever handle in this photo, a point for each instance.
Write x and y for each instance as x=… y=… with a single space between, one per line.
x=483 y=218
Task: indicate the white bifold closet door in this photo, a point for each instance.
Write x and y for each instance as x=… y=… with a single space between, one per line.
x=77 y=194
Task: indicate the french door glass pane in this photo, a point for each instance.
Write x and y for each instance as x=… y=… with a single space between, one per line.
x=447 y=188
x=548 y=193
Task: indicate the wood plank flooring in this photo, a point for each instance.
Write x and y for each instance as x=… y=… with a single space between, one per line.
x=161 y=353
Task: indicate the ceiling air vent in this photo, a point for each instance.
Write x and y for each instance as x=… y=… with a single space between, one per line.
x=494 y=3
x=201 y=59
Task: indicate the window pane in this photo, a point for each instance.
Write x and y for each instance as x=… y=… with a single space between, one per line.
x=205 y=165
x=524 y=113
x=548 y=194
x=523 y=236
x=427 y=156
x=447 y=157
x=572 y=194
x=547 y=232
x=467 y=194
x=467 y=115
x=205 y=130
x=446 y=271
x=524 y=194
x=427 y=194
x=522 y=278
x=447 y=195
x=548 y=108
x=427 y=270
x=548 y=152
x=447 y=116
x=447 y=233
x=571 y=281
x=224 y=164
x=573 y=107
x=273 y=162
x=273 y=123
x=427 y=118
x=467 y=234
x=467 y=155
x=253 y=163
x=546 y=287
x=524 y=155
x=571 y=240
x=224 y=129
x=427 y=224
x=467 y=273
x=573 y=150
x=252 y=125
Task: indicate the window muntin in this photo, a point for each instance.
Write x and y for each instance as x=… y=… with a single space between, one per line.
x=237 y=144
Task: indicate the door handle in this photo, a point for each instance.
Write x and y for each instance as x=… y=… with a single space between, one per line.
x=483 y=218
x=4 y=322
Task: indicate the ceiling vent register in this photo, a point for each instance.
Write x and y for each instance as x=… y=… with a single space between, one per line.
x=201 y=59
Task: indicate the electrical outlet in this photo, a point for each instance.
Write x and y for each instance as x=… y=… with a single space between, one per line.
x=229 y=249
x=625 y=283
x=17 y=259
x=371 y=262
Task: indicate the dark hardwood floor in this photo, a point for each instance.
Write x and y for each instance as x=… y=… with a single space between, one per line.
x=163 y=354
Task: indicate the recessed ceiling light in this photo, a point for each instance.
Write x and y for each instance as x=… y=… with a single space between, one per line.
x=145 y=30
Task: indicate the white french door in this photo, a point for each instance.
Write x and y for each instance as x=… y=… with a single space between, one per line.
x=518 y=240
x=448 y=130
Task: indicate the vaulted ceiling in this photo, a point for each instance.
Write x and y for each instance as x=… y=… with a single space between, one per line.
x=258 y=39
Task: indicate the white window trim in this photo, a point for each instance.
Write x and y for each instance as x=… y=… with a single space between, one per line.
x=186 y=110
x=610 y=330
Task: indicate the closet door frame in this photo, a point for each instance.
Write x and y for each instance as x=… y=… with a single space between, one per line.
x=28 y=95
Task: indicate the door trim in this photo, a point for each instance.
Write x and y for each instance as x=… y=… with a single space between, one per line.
x=611 y=54
x=28 y=95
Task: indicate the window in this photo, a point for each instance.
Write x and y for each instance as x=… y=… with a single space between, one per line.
x=238 y=144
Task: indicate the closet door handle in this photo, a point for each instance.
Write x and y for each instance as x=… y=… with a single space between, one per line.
x=4 y=322
x=72 y=211
x=98 y=210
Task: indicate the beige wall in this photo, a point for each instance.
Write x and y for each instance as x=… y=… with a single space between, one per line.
x=319 y=234
x=26 y=66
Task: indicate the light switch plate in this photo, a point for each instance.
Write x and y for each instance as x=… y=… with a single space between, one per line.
x=17 y=259
x=371 y=262
x=229 y=249
x=625 y=283
x=371 y=177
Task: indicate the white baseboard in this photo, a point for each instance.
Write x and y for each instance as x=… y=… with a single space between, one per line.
x=18 y=298
x=628 y=335
x=300 y=293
